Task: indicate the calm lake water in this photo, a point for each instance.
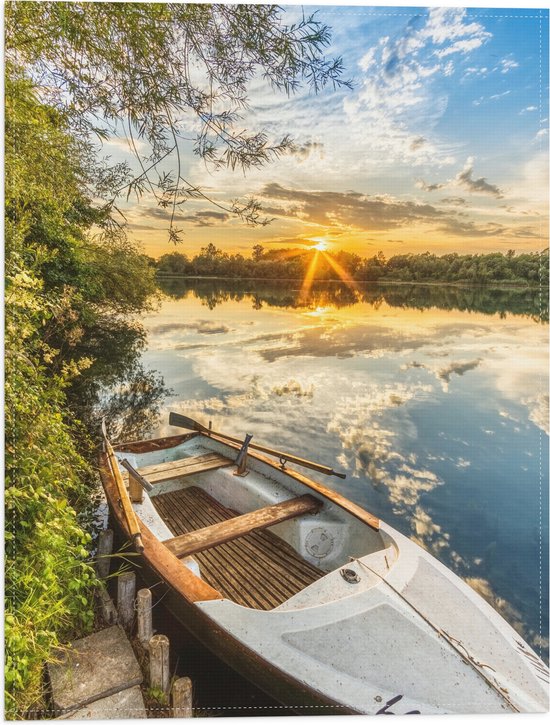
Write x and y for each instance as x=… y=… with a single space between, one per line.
x=433 y=401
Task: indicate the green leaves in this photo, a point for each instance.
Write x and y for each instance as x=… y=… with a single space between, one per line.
x=46 y=477
x=68 y=288
x=46 y=548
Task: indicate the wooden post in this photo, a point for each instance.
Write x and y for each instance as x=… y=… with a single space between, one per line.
x=144 y=616
x=182 y=697
x=126 y=593
x=135 y=489
x=159 y=663
x=104 y=551
x=108 y=609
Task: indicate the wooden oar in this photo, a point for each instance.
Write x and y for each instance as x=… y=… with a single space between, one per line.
x=184 y=422
x=123 y=498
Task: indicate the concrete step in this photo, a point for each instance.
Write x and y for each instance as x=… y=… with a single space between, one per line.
x=125 y=705
x=95 y=668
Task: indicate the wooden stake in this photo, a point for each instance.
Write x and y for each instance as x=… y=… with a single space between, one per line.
x=144 y=616
x=126 y=593
x=159 y=663
x=104 y=551
x=182 y=697
x=135 y=489
x=108 y=609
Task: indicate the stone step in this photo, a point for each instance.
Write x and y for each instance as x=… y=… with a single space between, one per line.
x=125 y=705
x=94 y=668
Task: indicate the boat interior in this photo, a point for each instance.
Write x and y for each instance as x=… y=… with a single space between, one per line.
x=257 y=536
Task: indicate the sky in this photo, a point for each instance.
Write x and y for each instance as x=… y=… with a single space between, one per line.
x=441 y=145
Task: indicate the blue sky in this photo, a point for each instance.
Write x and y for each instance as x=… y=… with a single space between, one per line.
x=442 y=144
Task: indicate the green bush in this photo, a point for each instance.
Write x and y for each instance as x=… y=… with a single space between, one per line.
x=61 y=279
x=48 y=582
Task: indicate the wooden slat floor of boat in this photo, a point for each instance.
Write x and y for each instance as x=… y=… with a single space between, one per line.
x=258 y=570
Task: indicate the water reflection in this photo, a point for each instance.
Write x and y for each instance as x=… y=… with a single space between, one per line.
x=286 y=293
x=116 y=385
x=434 y=400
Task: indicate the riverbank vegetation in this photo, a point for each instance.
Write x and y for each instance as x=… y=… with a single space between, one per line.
x=528 y=268
x=77 y=74
x=63 y=282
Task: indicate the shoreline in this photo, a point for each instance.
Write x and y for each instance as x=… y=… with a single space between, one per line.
x=428 y=283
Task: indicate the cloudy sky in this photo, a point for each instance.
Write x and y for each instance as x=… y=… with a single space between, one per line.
x=441 y=145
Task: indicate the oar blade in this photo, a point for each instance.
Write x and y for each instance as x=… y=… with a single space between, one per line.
x=182 y=421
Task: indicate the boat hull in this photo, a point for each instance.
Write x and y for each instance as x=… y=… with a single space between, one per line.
x=291 y=693
x=408 y=630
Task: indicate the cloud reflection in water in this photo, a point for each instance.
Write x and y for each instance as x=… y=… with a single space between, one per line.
x=408 y=402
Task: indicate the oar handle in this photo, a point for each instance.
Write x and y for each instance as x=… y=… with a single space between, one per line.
x=339 y=475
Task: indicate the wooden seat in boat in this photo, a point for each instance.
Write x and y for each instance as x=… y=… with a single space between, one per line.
x=257 y=570
x=238 y=526
x=159 y=472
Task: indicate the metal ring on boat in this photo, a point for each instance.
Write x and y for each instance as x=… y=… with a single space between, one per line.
x=350 y=576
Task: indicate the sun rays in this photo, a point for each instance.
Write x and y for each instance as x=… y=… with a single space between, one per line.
x=310 y=275
x=320 y=252
x=340 y=271
x=320 y=261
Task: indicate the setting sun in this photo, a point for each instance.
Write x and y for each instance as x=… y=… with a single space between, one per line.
x=321 y=244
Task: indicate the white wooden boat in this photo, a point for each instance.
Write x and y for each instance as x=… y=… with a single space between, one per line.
x=308 y=595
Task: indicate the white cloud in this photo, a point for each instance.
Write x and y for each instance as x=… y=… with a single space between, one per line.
x=529 y=190
x=399 y=98
x=397 y=101
x=382 y=410
x=498 y=96
x=539 y=411
x=466 y=180
x=507 y=65
x=486 y=99
x=461 y=46
x=472 y=71
x=520 y=373
x=447 y=25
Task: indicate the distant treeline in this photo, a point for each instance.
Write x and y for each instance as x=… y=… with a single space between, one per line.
x=529 y=268
x=524 y=300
